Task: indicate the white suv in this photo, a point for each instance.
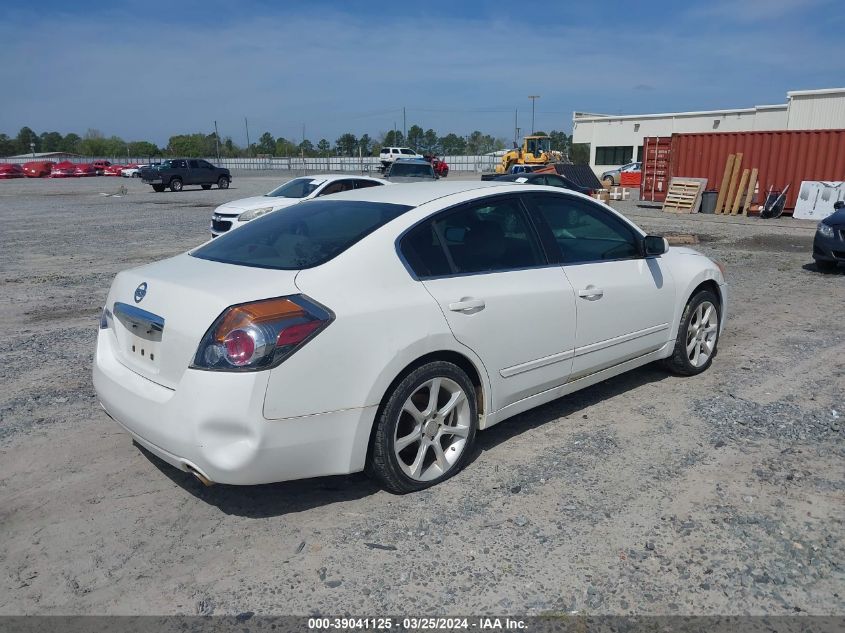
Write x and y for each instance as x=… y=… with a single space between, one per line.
x=390 y=154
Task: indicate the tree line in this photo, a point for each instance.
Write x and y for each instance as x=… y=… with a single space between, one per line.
x=95 y=143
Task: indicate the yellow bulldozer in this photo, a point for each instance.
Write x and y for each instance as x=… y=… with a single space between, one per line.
x=536 y=150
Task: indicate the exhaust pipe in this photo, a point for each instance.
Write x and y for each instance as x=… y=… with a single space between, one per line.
x=196 y=473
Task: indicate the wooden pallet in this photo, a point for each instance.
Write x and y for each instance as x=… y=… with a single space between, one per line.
x=684 y=195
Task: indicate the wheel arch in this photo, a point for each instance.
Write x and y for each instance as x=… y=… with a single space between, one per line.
x=477 y=376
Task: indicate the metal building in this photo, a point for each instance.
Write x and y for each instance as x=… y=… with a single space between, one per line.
x=618 y=139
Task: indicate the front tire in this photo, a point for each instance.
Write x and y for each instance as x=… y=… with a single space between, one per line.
x=223 y=183
x=176 y=184
x=425 y=430
x=698 y=336
x=825 y=265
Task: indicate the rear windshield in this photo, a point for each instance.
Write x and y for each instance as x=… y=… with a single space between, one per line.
x=413 y=170
x=302 y=236
x=296 y=188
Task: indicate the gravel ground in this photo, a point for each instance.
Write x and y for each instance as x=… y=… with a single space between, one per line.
x=646 y=494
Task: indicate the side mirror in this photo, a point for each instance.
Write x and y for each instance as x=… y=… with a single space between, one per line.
x=654 y=245
x=839 y=204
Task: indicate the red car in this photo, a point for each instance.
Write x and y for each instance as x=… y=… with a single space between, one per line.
x=85 y=169
x=441 y=169
x=100 y=166
x=114 y=170
x=38 y=168
x=63 y=169
x=11 y=170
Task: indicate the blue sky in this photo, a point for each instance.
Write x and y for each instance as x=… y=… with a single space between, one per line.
x=146 y=70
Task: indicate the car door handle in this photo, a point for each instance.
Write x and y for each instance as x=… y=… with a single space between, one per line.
x=466 y=304
x=591 y=293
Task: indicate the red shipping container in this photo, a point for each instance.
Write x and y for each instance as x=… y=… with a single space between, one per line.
x=782 y=157
x=654 y=178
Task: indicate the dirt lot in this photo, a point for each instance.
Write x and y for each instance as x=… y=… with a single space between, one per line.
x=647 y=494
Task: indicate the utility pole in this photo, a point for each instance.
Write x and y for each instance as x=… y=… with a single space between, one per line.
x=533 y=99
x=217 y=141
x=246 y=124
x=404 y=128
x=515 y=127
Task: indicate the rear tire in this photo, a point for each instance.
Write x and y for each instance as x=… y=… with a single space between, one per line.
x=206 y=187
x=698 y=336
x=425 y=429
x=176 y=184
x=223 y=183
x=158 y=188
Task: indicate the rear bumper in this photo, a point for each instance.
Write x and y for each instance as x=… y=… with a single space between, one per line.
x=213 y=423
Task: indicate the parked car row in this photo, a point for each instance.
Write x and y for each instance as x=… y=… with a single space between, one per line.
x=68 y=169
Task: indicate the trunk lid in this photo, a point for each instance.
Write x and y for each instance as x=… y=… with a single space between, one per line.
x=177 y=301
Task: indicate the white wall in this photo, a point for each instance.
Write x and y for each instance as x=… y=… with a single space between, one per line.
x=817 y=111
x=630 y=130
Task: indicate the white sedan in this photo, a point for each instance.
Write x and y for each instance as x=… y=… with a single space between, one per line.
x=382 y=328
x=234 y=214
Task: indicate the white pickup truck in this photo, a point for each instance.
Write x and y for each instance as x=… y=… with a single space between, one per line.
x=388 y=155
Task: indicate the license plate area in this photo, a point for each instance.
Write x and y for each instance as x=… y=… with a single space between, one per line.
x=139 y=336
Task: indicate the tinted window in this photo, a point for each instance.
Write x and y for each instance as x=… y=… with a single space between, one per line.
x=489 y=236
x=363 y=184
x=303 y=236
x=406 y=151
x=584 y=232
x=412 y=170
x=423 y=251
x=194 y=164
x=204 y=164
x=336 y=187
x=296 y=188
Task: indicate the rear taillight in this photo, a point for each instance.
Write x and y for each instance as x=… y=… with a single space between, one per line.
x=260 y=334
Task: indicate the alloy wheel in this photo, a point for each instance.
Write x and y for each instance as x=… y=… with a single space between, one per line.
x=431 y=433
x=702 y=332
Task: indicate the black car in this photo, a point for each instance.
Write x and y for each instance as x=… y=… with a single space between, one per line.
x=829 y=245
x=176 y=173
x=552 y=180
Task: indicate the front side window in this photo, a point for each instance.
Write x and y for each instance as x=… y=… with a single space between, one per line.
x=490 y=236
x=296 y=188
x=407 y=151
x=304 y=236
x=336 y=187
x=583 y=232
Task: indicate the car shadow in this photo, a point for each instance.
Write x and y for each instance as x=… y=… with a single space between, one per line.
x=813 y=268
x=567 y=406
x=270 y=500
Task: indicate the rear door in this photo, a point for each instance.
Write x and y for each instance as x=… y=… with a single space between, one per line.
x=625 y=302
x=483 y=264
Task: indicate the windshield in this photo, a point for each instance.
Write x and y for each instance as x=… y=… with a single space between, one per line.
x=303 y=236
x=296 y=188
x=411 y=170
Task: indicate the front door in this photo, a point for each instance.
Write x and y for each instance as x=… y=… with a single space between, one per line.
x=625 y=302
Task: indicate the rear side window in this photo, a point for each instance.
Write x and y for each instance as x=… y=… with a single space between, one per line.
x=303 y=236
x=424 y=253
x=489 y=237
x=194 y=164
